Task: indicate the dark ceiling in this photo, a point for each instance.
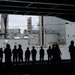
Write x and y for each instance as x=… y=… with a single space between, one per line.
x=61 y=8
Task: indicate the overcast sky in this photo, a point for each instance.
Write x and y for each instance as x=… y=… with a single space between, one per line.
x=20 y=21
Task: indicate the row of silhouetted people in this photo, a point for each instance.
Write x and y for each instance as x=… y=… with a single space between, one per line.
x=53 y=53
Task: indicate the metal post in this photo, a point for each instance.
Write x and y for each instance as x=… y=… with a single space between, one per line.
x=5 y=23
x=42 y=26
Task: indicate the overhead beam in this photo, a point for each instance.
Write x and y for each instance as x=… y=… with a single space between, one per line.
x=37 y=2
x=37 y=9
x=29 y=5
x=33 y=8
x=15 y=12
x=10 y=3
x=27 y=11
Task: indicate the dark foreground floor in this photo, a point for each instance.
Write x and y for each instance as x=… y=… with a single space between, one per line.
x=38 y=69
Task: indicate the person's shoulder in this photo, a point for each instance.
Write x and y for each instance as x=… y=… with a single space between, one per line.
x=47 y=49
x=13 y=49
x=34 y=49
x=5 y=48
x=69 y=45
x=43 y=49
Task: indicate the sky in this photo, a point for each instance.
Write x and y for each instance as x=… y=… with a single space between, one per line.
x=20 y=21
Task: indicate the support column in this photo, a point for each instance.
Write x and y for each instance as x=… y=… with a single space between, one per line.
x=5 y=25
x=42 y=27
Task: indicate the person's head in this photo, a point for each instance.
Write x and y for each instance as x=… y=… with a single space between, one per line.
x=1 y=49
x=7 y=45
x=49 y=47
x=41 y=47
x=57 y=46
x=15 y=46
x=72 y=42
x=33 y=47
x=27 y=48
x=19 y=45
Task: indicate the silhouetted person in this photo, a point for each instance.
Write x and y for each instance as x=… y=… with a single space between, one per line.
x=53 y=53
x=7 y=52
x=41 y=52
x=1 y=55
x=49 y=53
x=20 y=53
x=27 y=55
x=33 y=52
x=72 y=51
x=57 y=54
x=15 y=54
